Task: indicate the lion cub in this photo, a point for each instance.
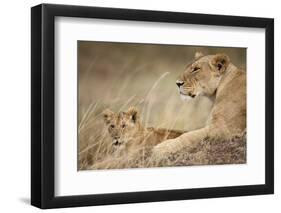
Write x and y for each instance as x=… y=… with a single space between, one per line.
x=127 y=132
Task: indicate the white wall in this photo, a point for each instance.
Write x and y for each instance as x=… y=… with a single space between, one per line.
x=15 y=105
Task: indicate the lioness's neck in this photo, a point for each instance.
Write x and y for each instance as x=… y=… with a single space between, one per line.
x=229 y=74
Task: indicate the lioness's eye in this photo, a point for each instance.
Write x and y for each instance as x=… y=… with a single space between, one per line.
x=195 y=69
x=112 y=126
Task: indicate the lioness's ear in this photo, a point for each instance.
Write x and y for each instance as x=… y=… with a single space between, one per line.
x=221 y=62
x=198 y=55
x=107 y=115
x=133 y=113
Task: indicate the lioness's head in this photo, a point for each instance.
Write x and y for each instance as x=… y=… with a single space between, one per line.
x=202 y=76
x=122 y=126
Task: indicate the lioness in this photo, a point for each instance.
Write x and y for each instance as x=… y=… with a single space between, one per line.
x=126 y=130
x=216 y=77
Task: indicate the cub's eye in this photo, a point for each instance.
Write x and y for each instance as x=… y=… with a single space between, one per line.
x=123 y=126
x=112 y=126
x=195 y=69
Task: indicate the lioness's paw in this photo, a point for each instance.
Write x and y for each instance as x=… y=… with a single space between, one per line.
x=164 y=149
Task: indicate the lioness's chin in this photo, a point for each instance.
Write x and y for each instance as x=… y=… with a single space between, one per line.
x=185 y=97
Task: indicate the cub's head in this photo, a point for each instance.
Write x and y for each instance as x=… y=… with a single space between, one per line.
x=123 y=126
x=202 y=76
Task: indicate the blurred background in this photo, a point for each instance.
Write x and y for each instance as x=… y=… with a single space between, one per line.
x=118 y=75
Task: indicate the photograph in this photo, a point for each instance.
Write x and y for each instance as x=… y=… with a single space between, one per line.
x=146 y=105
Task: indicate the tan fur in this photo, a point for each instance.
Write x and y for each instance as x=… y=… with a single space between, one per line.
x=127 y=132
x=216 y=77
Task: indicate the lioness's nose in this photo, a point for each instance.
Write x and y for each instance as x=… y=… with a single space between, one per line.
x=179 y=83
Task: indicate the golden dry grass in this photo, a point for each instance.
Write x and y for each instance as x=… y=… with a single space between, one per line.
x=208 y=152
x=116 y=76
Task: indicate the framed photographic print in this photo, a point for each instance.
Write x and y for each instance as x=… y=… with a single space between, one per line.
x=139 y=106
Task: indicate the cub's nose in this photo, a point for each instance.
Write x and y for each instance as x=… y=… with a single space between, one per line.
x=116 y=137
x=179 y=83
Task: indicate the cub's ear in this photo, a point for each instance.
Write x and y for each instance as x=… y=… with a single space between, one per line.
x=220 y=62
x=107 y=115
x=133 y=112
x=198 y=55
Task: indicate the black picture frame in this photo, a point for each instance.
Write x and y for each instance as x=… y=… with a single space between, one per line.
x=43 y=102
